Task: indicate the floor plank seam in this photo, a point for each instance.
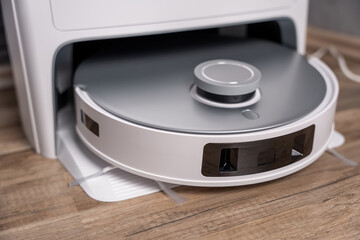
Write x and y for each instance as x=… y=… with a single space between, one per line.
x=313 y=189
x=179 y=219
x=214 y=208
x=18 y=152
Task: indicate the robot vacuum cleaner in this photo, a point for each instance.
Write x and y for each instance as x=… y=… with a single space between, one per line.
x=221 y=113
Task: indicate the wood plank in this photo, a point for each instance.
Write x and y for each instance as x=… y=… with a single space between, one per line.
x=32 y=189
x=8 y=108
x=323 y=213
x=349 y=96
x=62 y=227
x=44 y=195
x=332 y=36
x=215 y=210
x=346 y=44
x=6 y=80
x=12 y=140
x=9 y=113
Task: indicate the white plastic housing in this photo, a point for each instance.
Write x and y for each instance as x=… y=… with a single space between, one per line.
x=177 y=157
x=36 y=30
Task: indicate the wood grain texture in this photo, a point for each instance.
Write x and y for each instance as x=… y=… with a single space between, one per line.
x=12 y=140
x=348 y=45
x=319 y=202
x=9 y=114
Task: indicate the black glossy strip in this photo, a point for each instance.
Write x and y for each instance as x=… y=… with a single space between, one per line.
x=224 y=98
x=236 y=159
x=90 y=123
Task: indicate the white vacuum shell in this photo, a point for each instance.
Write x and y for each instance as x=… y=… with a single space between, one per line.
x=118 y=118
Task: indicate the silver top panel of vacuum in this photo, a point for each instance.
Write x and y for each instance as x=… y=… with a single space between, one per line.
x=153 y=88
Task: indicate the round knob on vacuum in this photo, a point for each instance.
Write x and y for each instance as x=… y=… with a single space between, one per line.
x=227 y=77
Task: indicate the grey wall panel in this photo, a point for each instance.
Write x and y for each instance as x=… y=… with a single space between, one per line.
x=336 y=15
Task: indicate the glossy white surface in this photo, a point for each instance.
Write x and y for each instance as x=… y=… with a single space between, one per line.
x=88 y=14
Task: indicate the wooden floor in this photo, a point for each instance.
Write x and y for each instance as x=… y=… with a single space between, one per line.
x=319 y=202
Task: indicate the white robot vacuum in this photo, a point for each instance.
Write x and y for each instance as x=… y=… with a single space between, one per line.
x=223 y=112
